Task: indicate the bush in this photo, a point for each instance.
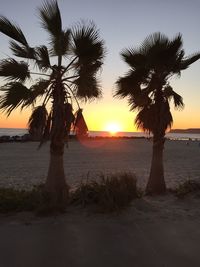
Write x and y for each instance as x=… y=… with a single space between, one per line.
x=21 y=200
x=189 y=186
x=110 y=193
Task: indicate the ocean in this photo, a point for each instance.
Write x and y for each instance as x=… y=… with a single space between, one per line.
x=176 y=136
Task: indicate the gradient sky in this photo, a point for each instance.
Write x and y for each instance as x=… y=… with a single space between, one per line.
x=122 y=24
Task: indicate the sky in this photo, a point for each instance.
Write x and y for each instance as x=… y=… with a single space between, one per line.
x=122 y=24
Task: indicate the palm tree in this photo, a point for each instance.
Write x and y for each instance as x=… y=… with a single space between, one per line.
x=147 y=87
x=77 y=56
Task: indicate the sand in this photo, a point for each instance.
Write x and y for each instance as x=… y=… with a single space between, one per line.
x=22 y=165
x=152 y=232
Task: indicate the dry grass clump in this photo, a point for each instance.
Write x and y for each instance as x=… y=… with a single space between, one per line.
x=13 y=200
x=110 y=193
x=187 y=187
x=107 y=194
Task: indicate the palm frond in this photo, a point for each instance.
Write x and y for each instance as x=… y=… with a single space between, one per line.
x=60 y=44
x=80 y=125
x=172 y=55
x=159 y=51
x=134 y=58
x=22 y=51
x=50 y=18
x=170 y=94
x=86 y=44
x=39 y=89
x=165 y=120
x=189 y=60
x=47 y=130
x=13 y=70
x=145 y=119
x=12 y=30
x=37 y=121
x=126 y=87
x=87 y=87
x=139 y=101
x=42 y=58
x=148 y=119
x=14 y=95
x=154 y=42
x=89 y=69
x=130 y=84
x=175 y=45
x=178 y=101
x=69 y=117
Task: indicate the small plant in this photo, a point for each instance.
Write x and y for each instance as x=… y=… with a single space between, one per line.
x=110 y=193
x=189 y=186
x=20 y=200
x=36 y=200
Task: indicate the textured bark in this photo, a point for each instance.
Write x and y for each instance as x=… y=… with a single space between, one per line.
x=156 y=183
x=56 y=186
x=56 y=170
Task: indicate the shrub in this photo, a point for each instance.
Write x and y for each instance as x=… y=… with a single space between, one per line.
x=21 y=200
x=110 y=193
x=189 y=186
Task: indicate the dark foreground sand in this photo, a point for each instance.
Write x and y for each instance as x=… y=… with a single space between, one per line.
x=161 y=231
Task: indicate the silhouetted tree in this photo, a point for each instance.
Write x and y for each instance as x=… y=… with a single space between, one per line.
x=147 y=87
x=77 y=56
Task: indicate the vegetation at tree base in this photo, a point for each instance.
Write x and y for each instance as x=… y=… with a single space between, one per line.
x=108 y=194
x=78 y=53
x=189 y=186
x=147 y=87
x=21 y=200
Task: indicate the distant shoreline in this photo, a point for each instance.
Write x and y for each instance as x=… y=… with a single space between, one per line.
x=190 y=130
x=16 y=134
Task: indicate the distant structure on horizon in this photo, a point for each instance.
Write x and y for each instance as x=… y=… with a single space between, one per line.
x=190 y=130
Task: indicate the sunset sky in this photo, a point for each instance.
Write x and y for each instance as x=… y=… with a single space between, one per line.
x=122 y=24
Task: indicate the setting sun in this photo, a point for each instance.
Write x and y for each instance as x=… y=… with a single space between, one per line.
x=113 y=128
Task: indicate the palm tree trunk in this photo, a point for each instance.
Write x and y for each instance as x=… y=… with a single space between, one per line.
x=56 y=186
x=156 y=183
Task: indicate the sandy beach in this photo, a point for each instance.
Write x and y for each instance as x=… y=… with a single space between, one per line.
x=153 y=231
x=22 y=165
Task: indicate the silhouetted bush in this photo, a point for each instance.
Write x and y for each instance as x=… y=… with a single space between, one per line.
x=21 y=200
x=189 y=186
x=110 y=193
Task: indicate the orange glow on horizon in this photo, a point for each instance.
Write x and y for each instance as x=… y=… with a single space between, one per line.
x=110 y=117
